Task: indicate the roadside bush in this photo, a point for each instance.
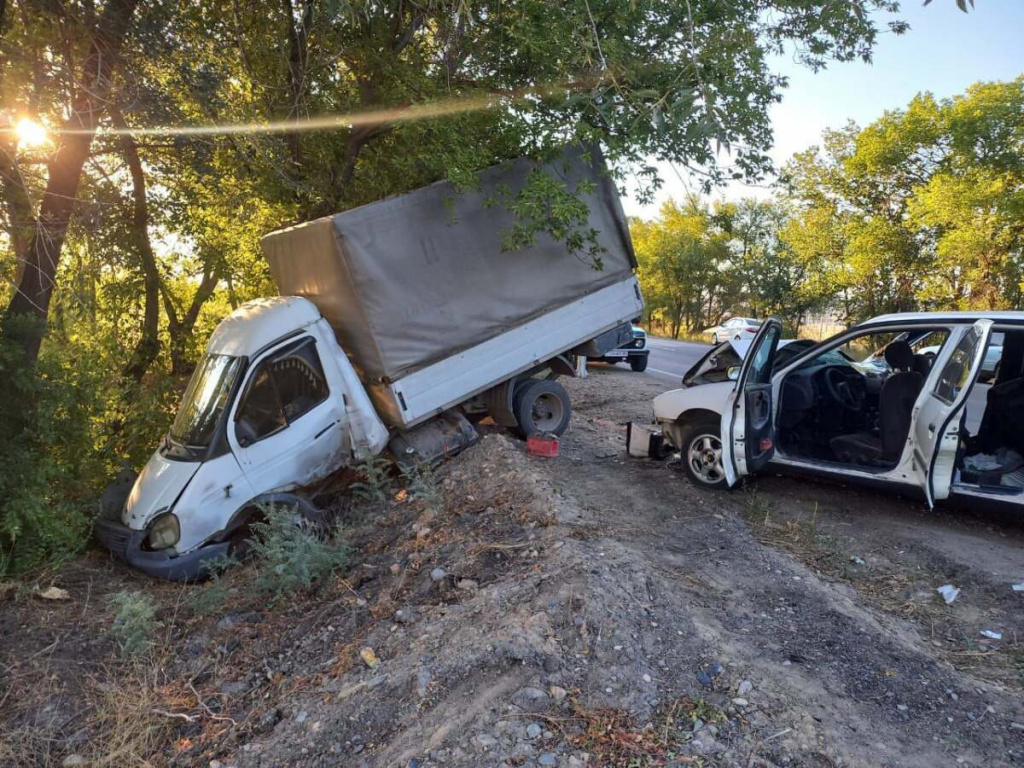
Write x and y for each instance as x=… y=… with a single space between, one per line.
x=290 y=555
x=134 y=622
x=56 y=455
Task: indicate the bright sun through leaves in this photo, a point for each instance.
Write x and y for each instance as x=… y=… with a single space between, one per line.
x=30 y=133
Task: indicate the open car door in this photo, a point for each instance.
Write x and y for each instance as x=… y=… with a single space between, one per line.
x=748 y=421
x=935 y=430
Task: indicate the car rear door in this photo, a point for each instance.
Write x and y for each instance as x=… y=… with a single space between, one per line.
x=748 y=420
x=935 y=430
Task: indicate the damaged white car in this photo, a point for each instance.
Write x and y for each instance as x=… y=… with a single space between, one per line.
x=897 y=401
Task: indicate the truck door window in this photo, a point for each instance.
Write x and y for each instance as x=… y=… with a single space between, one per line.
x=283 y=389
x=300 y=380
x=260 y=414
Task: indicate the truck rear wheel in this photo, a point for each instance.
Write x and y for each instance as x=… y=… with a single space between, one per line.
x=541 y=405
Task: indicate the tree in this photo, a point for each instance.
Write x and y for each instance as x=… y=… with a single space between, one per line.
x=683 y=267
x=40 y=257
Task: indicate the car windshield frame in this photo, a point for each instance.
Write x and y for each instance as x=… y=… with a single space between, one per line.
x=205 y=403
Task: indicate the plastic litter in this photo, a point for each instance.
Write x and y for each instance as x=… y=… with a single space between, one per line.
x=991 y=635
x=1018 y=587
x=369 y=657
x=949 y=593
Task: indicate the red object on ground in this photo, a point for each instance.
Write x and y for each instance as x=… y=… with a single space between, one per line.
x=542 y=445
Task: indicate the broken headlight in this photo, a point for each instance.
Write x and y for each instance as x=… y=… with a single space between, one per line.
x=164 y=532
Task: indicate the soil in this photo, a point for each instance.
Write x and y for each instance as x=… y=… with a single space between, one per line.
x=593 y=610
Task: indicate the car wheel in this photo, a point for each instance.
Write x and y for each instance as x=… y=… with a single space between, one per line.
x=638 y=363
x=702 y=455
x=541 y=405
x=714 y=338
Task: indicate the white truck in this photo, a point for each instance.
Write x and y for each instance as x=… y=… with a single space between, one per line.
x=398 y=324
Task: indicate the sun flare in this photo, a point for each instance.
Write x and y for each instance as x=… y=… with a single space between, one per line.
x=30 y=133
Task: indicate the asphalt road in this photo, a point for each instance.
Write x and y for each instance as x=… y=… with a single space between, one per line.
x=669 y=360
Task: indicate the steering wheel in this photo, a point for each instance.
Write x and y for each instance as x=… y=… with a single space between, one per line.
x=838 y=385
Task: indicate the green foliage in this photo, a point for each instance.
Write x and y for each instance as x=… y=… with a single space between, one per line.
x=290 y=556
x=211 y=596
x=424 y=485
x=377 y=484
x=920 y=209
x=134 y=622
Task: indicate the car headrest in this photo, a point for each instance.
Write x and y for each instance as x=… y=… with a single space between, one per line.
x=899 y=356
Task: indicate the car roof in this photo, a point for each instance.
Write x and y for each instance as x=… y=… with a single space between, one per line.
x=952 y=316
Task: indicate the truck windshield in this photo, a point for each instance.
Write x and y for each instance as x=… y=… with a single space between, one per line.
x=205 y=400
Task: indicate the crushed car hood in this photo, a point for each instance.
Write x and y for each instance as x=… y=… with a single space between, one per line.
x=156 y=489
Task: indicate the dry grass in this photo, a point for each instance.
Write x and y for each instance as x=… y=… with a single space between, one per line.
x=129 y=718
x=613 y=739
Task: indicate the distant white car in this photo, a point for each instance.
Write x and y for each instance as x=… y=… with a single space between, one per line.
x=882 y=403
x=736 y=329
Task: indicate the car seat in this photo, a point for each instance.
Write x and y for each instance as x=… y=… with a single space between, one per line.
x=895 y=406
x=1004 y=409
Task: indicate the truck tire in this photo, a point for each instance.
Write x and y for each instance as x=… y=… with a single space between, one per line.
x=638 y=363
x=541 y=405
x=702 y=454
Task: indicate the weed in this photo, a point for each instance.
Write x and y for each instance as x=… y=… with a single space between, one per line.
x=290 y=556
x=210 y=598
x=615 y=739
x=134 y=622
x=425 y=486
x=377 y=484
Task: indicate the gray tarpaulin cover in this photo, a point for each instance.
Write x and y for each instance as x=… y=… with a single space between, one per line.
x=410 y=280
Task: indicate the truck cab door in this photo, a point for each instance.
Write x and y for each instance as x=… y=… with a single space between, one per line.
x=936 y=426
x=748 y=420
x=288 y=427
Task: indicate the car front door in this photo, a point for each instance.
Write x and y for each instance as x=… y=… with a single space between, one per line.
x=748 y=421
x=936 y=423
x=287 y=429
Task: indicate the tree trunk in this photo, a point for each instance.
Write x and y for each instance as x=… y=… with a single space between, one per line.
x=148 y=346
x=180 y=328
x=31 y=299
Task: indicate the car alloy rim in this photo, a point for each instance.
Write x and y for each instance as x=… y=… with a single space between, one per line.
x=705 y=458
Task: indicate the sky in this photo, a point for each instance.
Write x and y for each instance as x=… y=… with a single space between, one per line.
x=944 y=52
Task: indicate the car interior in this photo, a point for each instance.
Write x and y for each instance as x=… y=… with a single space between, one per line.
x=853 y=404
x=992 y=451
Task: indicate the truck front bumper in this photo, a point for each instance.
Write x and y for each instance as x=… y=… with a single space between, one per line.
x=126 y=544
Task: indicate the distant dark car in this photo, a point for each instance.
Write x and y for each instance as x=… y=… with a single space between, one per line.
x=635 y=351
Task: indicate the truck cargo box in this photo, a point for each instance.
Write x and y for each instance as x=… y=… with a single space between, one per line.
x=412 y=280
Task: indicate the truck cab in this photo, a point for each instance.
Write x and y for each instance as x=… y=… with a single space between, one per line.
x=273 y=405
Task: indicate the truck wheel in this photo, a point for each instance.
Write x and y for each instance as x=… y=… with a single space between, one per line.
x=638 y=363
x=702 y=455
x=541 y=405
